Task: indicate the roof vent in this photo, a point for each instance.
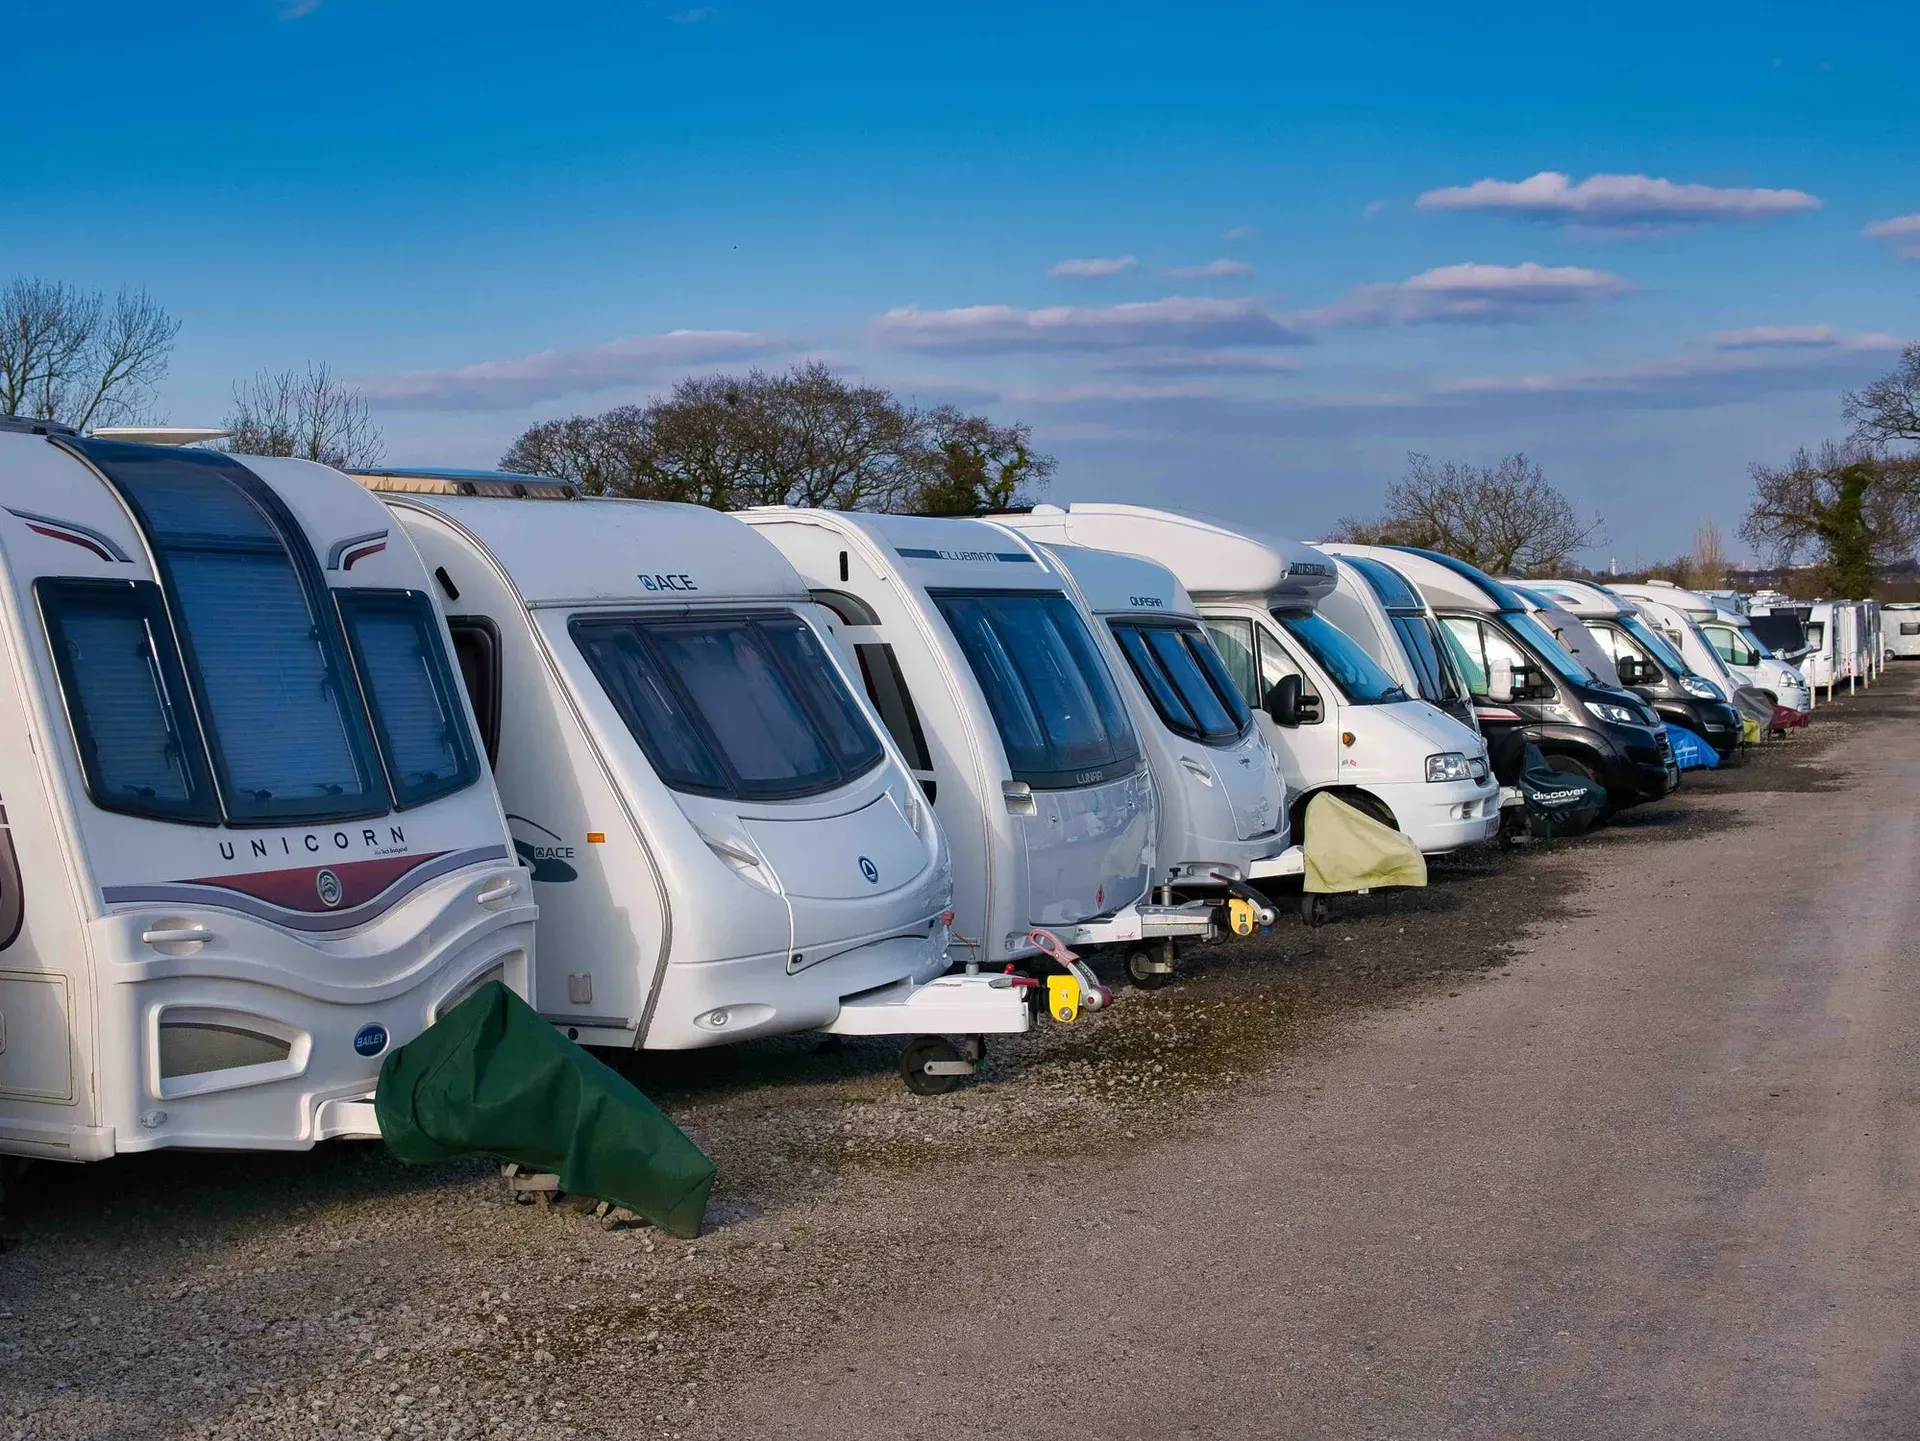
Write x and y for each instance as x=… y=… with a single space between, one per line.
x=494 y=484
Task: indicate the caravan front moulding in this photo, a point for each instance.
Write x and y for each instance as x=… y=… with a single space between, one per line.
x=986 y=671
x=249 y=843
x=1336 y=720
x=723 y=841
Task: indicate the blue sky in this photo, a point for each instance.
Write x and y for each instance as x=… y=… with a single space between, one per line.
x=1236 y=258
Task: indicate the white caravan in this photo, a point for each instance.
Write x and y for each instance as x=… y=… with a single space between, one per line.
x=1384 y=613
x=1726 y=634
x=248 y=844
x=722 y=841
x=1821 y=664
x=1901 y=629
x=1336 y=720
x=984 y=668
x=1222 y=804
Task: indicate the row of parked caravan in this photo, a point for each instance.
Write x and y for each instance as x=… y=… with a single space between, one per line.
x=295 y=761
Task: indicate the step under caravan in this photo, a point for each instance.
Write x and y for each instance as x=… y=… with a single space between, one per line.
x=723 y=841
x=248 y=844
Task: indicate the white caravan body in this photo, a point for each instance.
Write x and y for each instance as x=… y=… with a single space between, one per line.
x=1368 y=739
x=1383 y=612
x=722 y=841
x=1821 y=663
x=1222 y=803
x=249 y=844
x=1900 y=621
x=984 y=667
x=1725 y=631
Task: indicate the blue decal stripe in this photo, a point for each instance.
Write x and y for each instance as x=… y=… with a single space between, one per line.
x=1010 y=557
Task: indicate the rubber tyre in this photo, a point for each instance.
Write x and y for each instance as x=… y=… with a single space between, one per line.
x=1146 y=980
x=913 y=1060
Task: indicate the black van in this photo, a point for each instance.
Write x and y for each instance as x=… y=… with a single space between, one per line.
x=1522 y=679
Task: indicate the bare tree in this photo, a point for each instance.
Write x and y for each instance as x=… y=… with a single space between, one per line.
x=1708 y=563
x=314 y=416
x=1888 y=410
x=1856 y=509
x=1504 y=518
x=70 y=355
x=801 y=437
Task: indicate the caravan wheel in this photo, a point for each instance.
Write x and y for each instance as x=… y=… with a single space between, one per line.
x=942 y=1055
x=1148 y=971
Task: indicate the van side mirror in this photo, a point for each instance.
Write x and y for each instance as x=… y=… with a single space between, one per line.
x=1283 y=701
x=1500 y=679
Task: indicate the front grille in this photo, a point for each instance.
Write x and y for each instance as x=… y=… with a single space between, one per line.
x=1648 y=755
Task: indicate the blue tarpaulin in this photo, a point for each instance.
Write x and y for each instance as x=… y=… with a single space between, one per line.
x=1689 y=751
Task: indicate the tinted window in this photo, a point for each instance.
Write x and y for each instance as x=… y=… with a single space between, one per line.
x=1349 y=667
x=1051 y=696
x=1655 y=643
x=1552 y=654
x=1233 y=642
x=1387 y=584
x=126 y=699
x=887 y=689
x=1439 y=681
x=746 y=706
x=265 y=660
x=418 y=720
x=1192 y=699
x=476 y=648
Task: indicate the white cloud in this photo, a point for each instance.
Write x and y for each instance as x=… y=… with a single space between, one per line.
x=295 y=9
x=999 y=329
x=1239 y=232
x=1198 y=362
x=1902 y=232
x=512 y=384
x=1771 y=337
x=1472 y=292
x=1617 y=201
x=693 y=16
x=1093 y=267
x=1212 y=270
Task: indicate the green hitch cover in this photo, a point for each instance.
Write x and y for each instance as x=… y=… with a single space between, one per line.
x=490 y=1078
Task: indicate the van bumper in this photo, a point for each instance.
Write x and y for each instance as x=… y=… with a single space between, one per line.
x=1442 y=816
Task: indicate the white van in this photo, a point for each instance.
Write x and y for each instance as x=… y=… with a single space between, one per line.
x=1222 y=803
x=1385 y=614
x=985 y=669
x=1336 y=720
x=1741 y=655
x=723 y=843
x=248 y=843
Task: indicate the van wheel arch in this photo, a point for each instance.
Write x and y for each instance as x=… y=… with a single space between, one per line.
x=1366 y=802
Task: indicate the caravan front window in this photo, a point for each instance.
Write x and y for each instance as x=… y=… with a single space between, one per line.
x=1052 y=699
x=745 y=706
x=125 y=697
x=1183 y=676
x=288 y=741
x=1439 y=678
x=417 y=716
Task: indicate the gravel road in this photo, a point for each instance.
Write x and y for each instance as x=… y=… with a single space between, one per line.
x=1606 y=1138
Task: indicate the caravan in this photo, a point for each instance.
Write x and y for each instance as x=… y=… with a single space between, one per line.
x=1901 y=620
x=985 y=669
x=723 y=842
x=1718 y=643
x=1336 y=720
x=1222 y=804
x=249 y=845
x=1644 y=662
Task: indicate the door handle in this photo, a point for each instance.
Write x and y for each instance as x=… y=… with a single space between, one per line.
x=499 y=893
x=174 y=936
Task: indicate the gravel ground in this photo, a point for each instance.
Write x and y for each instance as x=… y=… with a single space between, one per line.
x=339 y=1294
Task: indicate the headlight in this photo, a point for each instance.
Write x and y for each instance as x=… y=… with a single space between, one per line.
x=1477 y=767
x=1698 y=685
x=1618 y=714
x=1449 y=767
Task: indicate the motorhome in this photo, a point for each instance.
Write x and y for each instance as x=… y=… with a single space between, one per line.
x=1725 y=649
x=985 y=669
x=1646 y=663
x=1901 y=622
x=249 y=845
x=1336 y=720
x=723 y=841
x=1385 y=615
x=1522 y=679
x=1222 y=803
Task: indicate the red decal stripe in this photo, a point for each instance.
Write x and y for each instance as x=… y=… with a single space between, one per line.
x=70 y=539
x=361 y=554
x=299 y=889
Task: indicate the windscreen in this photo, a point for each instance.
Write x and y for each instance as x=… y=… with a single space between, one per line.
x=1185 y=679
x=1544 y=646
x=1765 y=651
x=1051 y=697
x=1653 y=641
x=1360 y=680
x=746 y=706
